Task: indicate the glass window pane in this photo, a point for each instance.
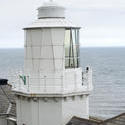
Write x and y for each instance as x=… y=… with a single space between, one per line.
x=75 y=60
x=67 y=42
x=72 y=48
x=78 y=62
x=66 y=62
x=72 y=63
x=73 y=37
x=78 y=51
x=75 y=50
x=77 y=36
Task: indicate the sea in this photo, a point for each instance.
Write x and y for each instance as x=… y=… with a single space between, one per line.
x=108 y=64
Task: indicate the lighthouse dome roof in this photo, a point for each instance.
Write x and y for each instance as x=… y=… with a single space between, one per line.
x=50 y=14
x=51 y=10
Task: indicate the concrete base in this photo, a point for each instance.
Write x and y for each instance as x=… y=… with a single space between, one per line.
x=51 y=111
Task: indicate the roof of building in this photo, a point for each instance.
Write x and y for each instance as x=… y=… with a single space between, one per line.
x=50 y=14
x=52 y=22
x=51 y=9
x=7 y=96
x=118 y=120
x=82 y=121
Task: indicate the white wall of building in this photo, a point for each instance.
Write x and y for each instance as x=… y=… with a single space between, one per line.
x=44 y=51
x=51 y=111
x=3 y=121
x=75 y=106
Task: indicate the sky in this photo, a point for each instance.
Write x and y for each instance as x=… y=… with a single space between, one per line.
x=102 y=21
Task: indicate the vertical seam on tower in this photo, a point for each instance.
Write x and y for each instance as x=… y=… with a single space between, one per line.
x=31 y=49
x=53 y=50
x=40 y=58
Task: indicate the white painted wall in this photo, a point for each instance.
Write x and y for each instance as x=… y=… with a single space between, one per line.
x=75 y=106
x=44 y=51
x=3 y=121
x=39 y=112
x=51 y=111
x=24 y=112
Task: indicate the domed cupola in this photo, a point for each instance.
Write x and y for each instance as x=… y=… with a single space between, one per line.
x=51 y=10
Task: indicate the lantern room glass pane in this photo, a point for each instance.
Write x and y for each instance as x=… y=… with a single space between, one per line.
x=72 y=48
x=67 y=42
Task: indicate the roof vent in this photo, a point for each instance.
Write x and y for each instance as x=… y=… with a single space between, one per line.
x=51 y=10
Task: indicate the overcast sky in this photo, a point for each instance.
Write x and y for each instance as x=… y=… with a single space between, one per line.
x=102 y=21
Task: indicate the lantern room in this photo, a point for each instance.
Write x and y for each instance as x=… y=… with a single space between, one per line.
x=72 y=59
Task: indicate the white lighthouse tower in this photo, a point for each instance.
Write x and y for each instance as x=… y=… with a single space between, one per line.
x=53 y=87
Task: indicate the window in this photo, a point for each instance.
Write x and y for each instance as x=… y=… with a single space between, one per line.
x=72 y=48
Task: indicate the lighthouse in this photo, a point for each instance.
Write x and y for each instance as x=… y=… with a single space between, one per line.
x=53 y=87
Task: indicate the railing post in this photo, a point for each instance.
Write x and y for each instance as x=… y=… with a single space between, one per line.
x=82 y=78
x=44 y=83
x=13 y=85
x=89 y=78
x=40 y=82
x=62 y=83
x=19 y=87
x=75 y=83
x=28 y=83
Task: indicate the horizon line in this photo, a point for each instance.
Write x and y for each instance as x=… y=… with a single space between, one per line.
x=80 y=47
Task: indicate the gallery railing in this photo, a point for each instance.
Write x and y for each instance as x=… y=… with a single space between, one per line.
x=53 y=85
